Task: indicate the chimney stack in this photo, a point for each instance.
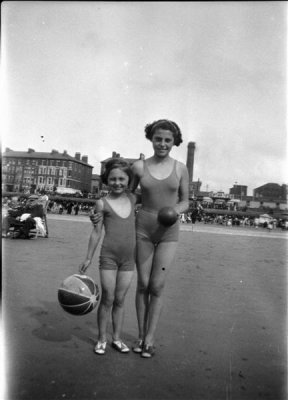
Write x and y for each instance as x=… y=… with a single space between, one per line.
x=190 y=164
x=77 y=156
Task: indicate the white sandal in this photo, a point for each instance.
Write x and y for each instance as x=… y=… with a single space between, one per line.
x=100 y=347
x=120 y=346
x=138 y=347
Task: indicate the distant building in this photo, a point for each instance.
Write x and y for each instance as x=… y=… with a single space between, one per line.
x=117 y=155
x=266 y=199
x=95 y=184
x=190 y=167
x=238 y=191
x=30 y=170
x=194 y=189
x=271 y=192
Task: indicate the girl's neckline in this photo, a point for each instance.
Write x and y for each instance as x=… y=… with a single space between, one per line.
x=161 y=179
x=115 y=212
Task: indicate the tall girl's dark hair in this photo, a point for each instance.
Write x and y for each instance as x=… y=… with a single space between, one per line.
x=167 y=125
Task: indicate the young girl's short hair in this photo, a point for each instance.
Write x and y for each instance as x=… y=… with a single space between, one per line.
x=119 y=163
x=167 y=125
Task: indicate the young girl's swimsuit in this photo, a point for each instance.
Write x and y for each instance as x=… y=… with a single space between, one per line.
x=157 y=193
x=118 y=247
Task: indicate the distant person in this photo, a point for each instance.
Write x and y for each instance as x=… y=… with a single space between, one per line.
x=117 y=257
x=270 y=225
x=182 y=218
x=43 y=198
x=76 y=209
x=69 y=208
x=256 y=222
x=31 y=208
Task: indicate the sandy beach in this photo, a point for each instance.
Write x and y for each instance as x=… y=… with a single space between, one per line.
x=221 y=336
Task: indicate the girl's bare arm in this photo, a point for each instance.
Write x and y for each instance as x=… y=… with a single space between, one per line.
x=183 y=204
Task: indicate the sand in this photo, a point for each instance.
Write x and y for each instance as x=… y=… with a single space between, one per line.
x=221 y=335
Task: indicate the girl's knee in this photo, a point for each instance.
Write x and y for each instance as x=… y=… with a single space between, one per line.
x=119 y=301
x=107 y=300
x=156 y=289
x=142 y=287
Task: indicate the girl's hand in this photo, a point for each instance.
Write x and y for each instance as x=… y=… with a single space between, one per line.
x=96 y=218
x=84 y=266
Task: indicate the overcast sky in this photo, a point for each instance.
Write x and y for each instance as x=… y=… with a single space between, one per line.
x=88 y=77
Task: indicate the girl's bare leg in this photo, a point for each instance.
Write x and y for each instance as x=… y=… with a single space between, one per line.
x=162 y=261
x=145 y=253
x=108 y=284
x=123 y=282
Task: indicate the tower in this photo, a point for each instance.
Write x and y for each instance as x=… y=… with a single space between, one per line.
x=190 y=164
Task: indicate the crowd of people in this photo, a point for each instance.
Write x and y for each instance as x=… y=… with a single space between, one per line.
x=194 y=215
x=234 y=220
x=67 y=207
x=25 y=214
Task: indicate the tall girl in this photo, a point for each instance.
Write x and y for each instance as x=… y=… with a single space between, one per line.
x=164 y=182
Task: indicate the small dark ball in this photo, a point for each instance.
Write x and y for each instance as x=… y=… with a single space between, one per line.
x=167 y=216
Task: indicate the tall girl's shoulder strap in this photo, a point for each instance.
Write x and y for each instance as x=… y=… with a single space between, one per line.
x=100 y=204
x=138 y=167
x=182 y=171
x=178 y=168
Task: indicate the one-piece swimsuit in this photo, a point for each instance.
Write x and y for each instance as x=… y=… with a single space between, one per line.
x=157 y=193
x=119 y=243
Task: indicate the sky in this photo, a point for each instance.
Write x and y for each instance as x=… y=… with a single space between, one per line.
x=88 y=76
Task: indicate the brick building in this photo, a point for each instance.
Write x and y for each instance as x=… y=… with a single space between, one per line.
x=95 y=184
x=271 y=191
x=238 y=191
x=31 y=170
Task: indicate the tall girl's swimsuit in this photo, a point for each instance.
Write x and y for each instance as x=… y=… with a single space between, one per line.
x=157 y=193
x=118 y=247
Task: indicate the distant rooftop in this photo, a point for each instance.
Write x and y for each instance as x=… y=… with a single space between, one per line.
x=53 y=155
x=130 y=160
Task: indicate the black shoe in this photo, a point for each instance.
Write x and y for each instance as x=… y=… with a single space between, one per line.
x=148 y=351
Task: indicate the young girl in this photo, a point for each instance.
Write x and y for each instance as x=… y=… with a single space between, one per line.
x=117 y=257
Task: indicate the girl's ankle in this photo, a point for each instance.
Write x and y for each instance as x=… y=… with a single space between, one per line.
x=149 y=341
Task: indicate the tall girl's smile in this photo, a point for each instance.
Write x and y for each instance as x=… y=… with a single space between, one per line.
x=163 y=141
